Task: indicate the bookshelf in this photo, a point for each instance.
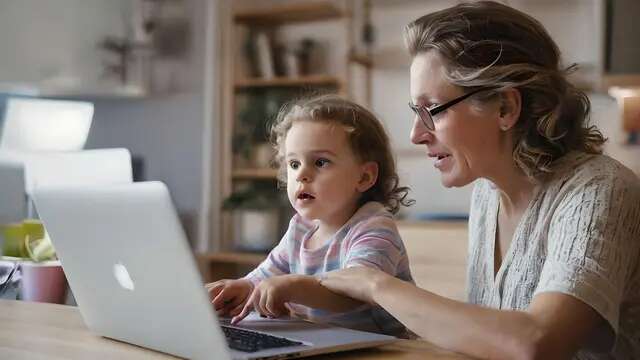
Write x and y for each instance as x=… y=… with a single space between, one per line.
x=243 y=87
x=300 y=81
x=289 y=13
x=254 y=173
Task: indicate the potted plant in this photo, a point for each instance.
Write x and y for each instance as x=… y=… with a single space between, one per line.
x=257 y=108
x=256 y=218
x=35 y=267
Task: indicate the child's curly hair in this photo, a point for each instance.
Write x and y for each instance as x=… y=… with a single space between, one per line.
x=366 y=136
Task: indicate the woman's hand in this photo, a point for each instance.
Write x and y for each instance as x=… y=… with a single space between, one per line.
x=358 y=282
x=229 y=296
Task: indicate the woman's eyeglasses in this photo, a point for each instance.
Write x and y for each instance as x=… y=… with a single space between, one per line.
x=426 y=114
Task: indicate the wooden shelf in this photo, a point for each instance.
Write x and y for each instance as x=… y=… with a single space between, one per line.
x=310 y=80
x=214 y=266
x=363 y=60
x=241 y=258
x=255 y=174
x=621 y=80
x=289 y=13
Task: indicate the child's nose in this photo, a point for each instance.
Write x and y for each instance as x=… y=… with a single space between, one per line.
x=303 y=176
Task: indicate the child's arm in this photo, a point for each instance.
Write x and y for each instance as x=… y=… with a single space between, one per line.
x=271 y=295
x=377 y=244
x=229 y=296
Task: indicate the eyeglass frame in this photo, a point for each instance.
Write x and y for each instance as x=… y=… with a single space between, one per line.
x=440 y=108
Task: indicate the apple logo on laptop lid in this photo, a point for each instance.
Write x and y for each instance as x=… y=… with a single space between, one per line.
x=122 y=276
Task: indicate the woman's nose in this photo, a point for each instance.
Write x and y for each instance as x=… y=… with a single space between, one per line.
x=420 y=134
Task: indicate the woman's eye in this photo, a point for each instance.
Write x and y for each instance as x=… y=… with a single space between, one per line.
x=322 y=162
x=294 y=164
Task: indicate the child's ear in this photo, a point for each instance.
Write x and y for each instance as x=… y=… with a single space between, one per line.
x=368 y=176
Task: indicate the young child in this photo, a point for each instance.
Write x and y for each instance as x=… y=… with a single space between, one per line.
x=342 y=182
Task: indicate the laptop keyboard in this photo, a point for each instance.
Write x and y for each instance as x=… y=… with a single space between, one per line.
x=251 y=341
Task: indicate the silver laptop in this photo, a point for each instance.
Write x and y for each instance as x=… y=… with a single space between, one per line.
x=132 y=272
x=45 y=125
x=13 y=197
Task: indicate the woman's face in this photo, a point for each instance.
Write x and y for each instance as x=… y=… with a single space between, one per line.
x=466 y=140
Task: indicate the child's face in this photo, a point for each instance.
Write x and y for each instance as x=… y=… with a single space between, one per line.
x=324 y=177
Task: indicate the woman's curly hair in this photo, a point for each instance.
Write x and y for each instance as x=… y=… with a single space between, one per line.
x=487 y=44
x=366 y=135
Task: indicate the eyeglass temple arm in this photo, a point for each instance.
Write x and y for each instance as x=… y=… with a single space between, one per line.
x=445 y=106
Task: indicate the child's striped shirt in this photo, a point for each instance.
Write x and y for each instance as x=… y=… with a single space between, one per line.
x=370 y=238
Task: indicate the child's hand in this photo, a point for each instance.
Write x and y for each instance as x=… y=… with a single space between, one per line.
x=269 y=298
x=229 y=296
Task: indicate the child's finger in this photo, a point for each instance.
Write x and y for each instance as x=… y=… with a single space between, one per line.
x=222 y=300
x=275 y=307
x=243 y=314
x=236 y=310
x=248 y=306
x=262 y=306
x=238 y=302
x=227 y=304
x=212 y=284
x=214 y=289
x=293 y=312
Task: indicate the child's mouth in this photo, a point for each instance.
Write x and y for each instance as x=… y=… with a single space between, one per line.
x=305 y=196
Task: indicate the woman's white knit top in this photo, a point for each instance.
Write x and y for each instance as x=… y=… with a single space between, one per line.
x=579 y=236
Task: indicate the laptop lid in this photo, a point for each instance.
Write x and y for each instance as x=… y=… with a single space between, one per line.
x=45 y=125
x=13 y=203
x=130 y=268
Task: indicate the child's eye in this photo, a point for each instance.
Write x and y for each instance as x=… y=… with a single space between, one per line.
x=322 y=162
x=294 y=164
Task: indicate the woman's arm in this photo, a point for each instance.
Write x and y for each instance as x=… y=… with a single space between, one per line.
x=554 y=327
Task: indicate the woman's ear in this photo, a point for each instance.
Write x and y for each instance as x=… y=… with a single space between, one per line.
x=368 y=176
x=510 y=107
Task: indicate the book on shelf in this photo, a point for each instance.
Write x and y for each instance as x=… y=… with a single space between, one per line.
x=265 y=56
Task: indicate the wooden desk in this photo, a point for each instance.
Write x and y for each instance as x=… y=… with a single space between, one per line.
x=44 y=331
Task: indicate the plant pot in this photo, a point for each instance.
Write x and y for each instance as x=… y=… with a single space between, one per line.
x=255 y=230
x=43 y=282
x=262 y=155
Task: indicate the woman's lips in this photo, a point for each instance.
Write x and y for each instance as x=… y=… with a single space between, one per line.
x=441 y=161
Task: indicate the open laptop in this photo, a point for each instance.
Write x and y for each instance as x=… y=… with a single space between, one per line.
x=45 y=125
x=132 y=272
x=13 y=201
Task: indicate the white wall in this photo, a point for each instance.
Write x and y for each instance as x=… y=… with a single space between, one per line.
x=56 y=41
x=168 y=131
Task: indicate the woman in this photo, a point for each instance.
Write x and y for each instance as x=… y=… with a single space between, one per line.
x=554 y=229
